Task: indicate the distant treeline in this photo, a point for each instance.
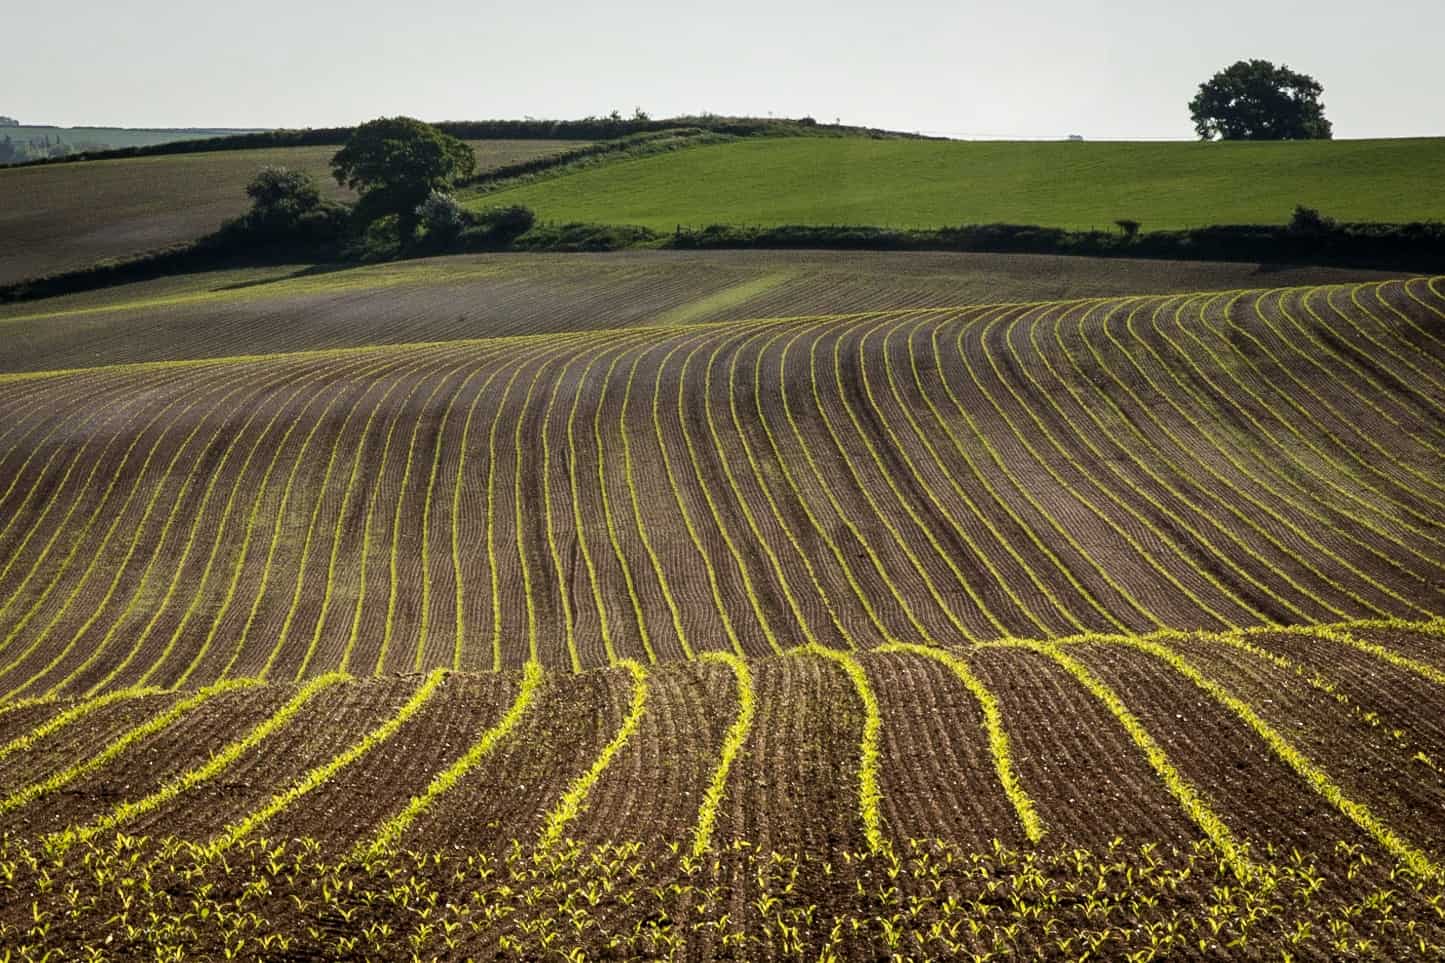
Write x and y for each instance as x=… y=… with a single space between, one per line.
x=588 y=128
x=1416 y=246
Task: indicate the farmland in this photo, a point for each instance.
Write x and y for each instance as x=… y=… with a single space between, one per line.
x=253 y=310
x=929 y=184
x=755 y=605
x=67 y=216
x=938 y=476
x=1014 y=798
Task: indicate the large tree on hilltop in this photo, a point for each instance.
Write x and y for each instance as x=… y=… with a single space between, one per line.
x=395 y=163
x=1255 y=100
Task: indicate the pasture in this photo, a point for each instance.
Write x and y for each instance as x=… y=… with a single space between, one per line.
x=930 y=184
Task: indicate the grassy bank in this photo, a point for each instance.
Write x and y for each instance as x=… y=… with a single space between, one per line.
x=925 y=184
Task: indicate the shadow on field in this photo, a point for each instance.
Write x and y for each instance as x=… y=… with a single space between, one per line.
x=314 y=270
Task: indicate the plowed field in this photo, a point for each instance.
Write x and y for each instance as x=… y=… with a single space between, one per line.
x=1169 y=794
x=1094 y=628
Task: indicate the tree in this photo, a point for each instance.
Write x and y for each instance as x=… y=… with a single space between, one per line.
x=395 y=163
x=279 y=197
x=8 y=121
x=1255 y=100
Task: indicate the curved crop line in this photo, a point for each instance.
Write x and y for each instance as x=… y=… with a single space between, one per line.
x=1281 y=449
x=77 y=540
x=1421 y=398
x=826 y=488
x=1165 y=572
x=1388 y=456
x=393 y=575
x=424 y=630
x=96 y=554
x=639 y=527
x=608 y=517
x=672 y=482
x=921 y=481
x=743 y=502
x=396 y=374
x=213 y=766
x=993 y=725
x=761 y=481
x=578 y=525
x=576 y=796
x=1204 y=571
x=1222 y=449
x=220 y=539
x=1356 y=812
x=1405 y=286
x=115 y=747
x=958 y=490
x=737 y=736
x=781 y=463
x=1347 y=386
x=869 y=794
x=1228 y=505
x=253 y=403
x=74 y=714
x=276 y=525
x=996 y=457
x=320 y=774
x=391 y=830
x=749 y=589
x=886 y=517
x=1346 y=447
x=520 y=533
x=1183 y=791
x=515 y=366
x=53 y=500
x=71 y=423
x=339 y=529
x=1415 y=666
x=569 y=623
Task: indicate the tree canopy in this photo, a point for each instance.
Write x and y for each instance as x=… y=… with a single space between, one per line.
x=1255 y=100
x=395 y=163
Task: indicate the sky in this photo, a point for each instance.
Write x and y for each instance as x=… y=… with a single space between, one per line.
x=965 y=68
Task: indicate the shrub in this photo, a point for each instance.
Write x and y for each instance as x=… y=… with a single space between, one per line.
x=441 y=216
x=1310 y=222
x=1129 y=226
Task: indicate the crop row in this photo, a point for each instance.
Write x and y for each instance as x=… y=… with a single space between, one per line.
x=926 y=476
x=1190 y=764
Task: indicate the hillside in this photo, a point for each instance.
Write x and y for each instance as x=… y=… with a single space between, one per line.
x=29 y=142
x=65 y=216
x=939 y=475
x=929 y=184
x=1094 y=797
x=256 y=310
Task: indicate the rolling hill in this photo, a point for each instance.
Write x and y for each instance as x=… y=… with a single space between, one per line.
x=66 y=216
x=930 y=184
x=709 y=607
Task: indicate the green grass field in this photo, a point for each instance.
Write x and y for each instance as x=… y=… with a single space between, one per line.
x=927 y=184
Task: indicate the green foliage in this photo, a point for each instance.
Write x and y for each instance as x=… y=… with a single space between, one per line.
x=395 y=163
x=280 y=197
x=1255 y=100
x=834 y=181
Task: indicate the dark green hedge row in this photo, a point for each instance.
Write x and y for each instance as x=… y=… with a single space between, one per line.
x=591 y=128
x=1415 y=245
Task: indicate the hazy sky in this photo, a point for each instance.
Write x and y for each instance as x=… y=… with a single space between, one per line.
x=1044 y=68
